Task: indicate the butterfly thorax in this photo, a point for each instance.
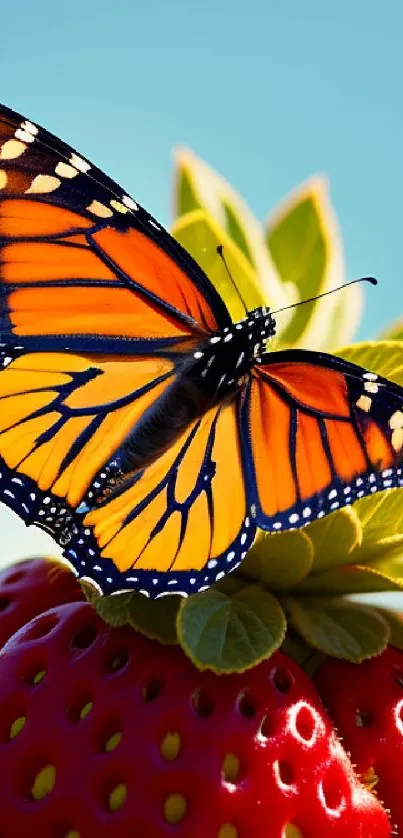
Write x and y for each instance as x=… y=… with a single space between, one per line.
x=222 y=361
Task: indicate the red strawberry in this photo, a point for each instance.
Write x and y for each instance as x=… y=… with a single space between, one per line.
x=30 y=587
x=104 y=732
x=366 y=704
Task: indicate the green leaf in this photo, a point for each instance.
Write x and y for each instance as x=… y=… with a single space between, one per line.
x=295 y=647
x=350 y=579
x=235 y=230
x=198 y=186
x=230 y=634
x=186 y=199
x=279 y=561
x=339 y=628
x=385 y=549
x=156 y=618
x=381 y=516
x=393 y=332
x=200 y=235
x=334 y=538
x=304 y=242
x=114 y=609
x=383 y=357
x=346 y=315
x=390 y=565
x=90 y=592
x=297 y=243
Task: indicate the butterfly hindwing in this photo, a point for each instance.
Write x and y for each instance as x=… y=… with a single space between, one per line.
x=319 y=433
x=178 y=525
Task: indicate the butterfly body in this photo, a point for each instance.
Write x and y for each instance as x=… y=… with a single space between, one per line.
x=210 y=375
x=143 y=429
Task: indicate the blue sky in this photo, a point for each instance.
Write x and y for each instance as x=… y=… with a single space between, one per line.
x=268 y=93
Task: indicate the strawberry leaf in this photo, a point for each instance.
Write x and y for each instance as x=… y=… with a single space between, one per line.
x=279 y=561
x=230 y=634
x=339 y=628
x=386 y=549
x=114 y=609
x=381 y=516
x=334 y=538
x=349 y=580
x=156 y=618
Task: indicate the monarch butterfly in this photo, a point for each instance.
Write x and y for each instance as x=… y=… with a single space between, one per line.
x=143 y=429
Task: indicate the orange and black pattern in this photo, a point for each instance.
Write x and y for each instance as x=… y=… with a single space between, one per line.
x=139 y=426
x=342 y=428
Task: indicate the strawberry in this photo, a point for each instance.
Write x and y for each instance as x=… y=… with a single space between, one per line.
x=105 y=732
x=366 y=704
x=30 y=587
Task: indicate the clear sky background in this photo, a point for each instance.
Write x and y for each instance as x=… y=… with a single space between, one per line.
x=267 y=93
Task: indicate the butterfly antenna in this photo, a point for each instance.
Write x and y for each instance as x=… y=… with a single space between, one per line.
x=220 y=251
x=369 y=279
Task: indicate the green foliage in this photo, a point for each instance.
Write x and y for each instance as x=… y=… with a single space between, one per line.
x=393 y=332
x=156 y=618
x=230 y=633
x=296 y=254
x=334 y=538
x=279 y=561
x=338 y=627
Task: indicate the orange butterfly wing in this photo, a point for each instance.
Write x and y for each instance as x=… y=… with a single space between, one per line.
x=98 y=307
x=82 y=265
x=183 y=523
x=318 y=433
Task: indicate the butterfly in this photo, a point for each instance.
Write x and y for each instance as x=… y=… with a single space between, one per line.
x=143 y=429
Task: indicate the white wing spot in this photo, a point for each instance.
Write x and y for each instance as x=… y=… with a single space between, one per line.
x=118 y=206
x=364 y=403
x=129 y=203
x=100 y=209
x=371 y=387
x=79 y=163
x=12 y=149
x=24 y=136
x=43 y=184
x=66 y=171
